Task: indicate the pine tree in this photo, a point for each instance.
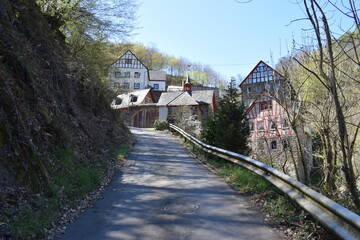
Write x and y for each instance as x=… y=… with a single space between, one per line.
x=228 y=128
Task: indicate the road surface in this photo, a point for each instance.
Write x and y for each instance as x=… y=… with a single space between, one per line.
x=163 y=193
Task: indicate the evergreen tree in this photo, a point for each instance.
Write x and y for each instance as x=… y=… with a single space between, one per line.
x=228 y=128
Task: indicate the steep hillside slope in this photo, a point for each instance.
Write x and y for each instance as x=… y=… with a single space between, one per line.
x=50 y=104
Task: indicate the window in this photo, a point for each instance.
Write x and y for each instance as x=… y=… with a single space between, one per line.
x=266 y=105
x=267 y=86
x=249 y=89
x=260 y=126
x=285 y=144
x=133 y=99
x=251 y=127
x=126 y=74
x=136 y=85
x=137 y=75
x=272 y=125
x=273 y=145
x=258 y=88
x=128 y=61
x=127 y=85
x=118 y=101
x=156 y=86
x=117 y=74
x=285 y=123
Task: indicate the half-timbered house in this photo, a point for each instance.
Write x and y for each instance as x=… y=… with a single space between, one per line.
x=129 y=73
x=274 y=135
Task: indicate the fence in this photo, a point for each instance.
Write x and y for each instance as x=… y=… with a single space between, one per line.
x=344 y=223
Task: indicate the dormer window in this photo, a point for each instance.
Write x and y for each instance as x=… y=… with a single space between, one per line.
x=118 y=101
x=133 y=99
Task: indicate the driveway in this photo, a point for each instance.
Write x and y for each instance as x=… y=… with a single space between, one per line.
x=163 y=193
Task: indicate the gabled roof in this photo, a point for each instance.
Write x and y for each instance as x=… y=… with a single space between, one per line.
x=204 y=96
x=133 y=55
x=167 y=97
x=172 y=99
x=267 y=68
x=126 y=98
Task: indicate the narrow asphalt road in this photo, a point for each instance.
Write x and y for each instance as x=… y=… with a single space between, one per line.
x=163 y=193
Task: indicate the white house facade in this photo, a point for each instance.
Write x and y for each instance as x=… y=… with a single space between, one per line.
x=128 y=72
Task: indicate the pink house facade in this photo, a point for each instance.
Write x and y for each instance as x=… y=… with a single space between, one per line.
x=275 y=137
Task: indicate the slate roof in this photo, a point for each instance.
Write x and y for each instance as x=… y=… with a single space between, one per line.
x=204 y=96
x=185 y=99
x=176 y=99
x=157 y=75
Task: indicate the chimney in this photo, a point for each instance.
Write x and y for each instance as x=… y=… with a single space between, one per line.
x=187 y=86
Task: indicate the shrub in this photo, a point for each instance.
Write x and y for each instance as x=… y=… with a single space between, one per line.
x=161 y=125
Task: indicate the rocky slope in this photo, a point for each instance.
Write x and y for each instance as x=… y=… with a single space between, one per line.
x=49 y=103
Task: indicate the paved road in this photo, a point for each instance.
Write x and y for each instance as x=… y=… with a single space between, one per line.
x=163 y=193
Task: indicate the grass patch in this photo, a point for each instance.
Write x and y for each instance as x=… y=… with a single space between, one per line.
x=72 y=180
x=75 y=178
x=245 y=181
x=34 y=218
x=122 y=151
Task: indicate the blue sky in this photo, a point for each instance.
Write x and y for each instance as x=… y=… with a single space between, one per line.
x=227 y=35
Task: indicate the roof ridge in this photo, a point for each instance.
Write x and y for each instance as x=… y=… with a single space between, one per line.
x=175 y=98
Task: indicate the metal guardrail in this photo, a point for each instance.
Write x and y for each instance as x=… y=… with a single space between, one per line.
x=338 y=219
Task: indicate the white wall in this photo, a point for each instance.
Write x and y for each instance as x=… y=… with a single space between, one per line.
x=163 y=113
x=161 y=85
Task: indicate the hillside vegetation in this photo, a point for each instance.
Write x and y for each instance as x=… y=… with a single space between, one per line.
x=56 y=125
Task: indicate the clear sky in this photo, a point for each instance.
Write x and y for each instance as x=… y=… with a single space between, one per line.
x=229 y=36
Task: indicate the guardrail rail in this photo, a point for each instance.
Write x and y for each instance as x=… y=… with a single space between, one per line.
x=338 y=219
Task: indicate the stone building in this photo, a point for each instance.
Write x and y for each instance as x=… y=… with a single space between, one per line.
x=187 y=109
x=276 y=137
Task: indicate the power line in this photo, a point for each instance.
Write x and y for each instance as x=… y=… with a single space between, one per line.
x=221 y=65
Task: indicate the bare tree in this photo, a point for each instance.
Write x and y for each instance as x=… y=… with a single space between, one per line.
x=329 y=57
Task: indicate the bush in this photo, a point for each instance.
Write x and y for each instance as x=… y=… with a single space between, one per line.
x=161 y=125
